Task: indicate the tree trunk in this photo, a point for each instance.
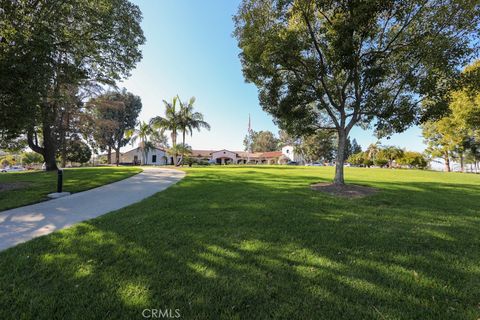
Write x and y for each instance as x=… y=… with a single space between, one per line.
x=183 y=145
x=461 y=163
x=342 y=141
x=109 y=155
x=447 y=162
x=174 y=144
x=49 y=149
x=117 y=156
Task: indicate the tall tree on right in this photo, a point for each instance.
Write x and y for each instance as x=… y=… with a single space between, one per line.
x=335 y=64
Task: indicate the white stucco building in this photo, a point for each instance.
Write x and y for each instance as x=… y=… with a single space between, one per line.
x=159 y=156
x=289 y=152
x=155 y=156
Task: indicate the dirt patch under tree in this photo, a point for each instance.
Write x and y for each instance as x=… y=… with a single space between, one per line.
x=347 y=190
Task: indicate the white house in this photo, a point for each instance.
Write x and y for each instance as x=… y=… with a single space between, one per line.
x=159 y=156
x=290 y=153
x=154 y=156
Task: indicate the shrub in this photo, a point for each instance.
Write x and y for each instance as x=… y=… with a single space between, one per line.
x=78 y=151
x=380 y=161
x=7 y=160
x=413 y=160
x=31 y=158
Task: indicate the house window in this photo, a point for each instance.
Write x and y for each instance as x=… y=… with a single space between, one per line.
x=154 y=158
x=288 y=151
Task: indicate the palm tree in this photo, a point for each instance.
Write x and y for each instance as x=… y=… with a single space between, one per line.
x=190 y=119
x=392 y=153
x=171 y=122
x=183 y=149
x=143 y=132
x=372 y=150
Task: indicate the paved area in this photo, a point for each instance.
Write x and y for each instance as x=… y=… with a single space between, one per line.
x=21 y=224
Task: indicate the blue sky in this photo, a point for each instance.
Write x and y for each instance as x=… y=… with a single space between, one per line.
x=190 y=51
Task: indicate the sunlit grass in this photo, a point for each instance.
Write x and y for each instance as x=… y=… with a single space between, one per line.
x=36 y=185
x=257 y=243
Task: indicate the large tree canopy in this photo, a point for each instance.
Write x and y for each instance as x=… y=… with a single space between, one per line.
x=112 y=114
x=47 y=47
x=261 y=141
x=457 y=133
x=336 y=64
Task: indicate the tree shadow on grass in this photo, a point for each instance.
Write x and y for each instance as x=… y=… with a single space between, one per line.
x=257 y=248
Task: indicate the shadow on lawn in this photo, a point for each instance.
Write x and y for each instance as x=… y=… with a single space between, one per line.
x=267 y=247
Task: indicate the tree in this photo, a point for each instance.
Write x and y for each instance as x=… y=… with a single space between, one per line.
x=69 y=121
x=351 y=147
x=183 y=149
x=114 y=114
x=380 y=161
x=56 y=45
x=190 y=119
x=142 y=133
x=355 y=147
x=413 y=160
x=31 y=158
x=78 y=151
x=336 y=64
x=360 y=159
x=159 y=139
x=261 y=141
x=319 y=146
x=172 y=122
x=285 y=139
x=372 y=150
x=457 y=133
x=441 y=138
x=391 y=153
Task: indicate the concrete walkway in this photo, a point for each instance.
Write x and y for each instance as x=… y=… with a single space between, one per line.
x=21 y=224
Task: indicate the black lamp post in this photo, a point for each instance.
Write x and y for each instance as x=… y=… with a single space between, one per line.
x=59 y=180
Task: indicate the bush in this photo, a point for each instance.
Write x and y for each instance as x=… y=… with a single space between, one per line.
x=78 y=151
x=202 y=163
x=189 y=161
x=380 y=162
x=7 y=161
x=413 y=160
x=31 y=158
x=356 y=159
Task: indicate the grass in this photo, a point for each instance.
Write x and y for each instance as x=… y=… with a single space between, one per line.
x=257 y=243
x=36 y=185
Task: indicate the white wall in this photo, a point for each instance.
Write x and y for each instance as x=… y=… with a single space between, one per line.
x=289 y=152
x=129 y=156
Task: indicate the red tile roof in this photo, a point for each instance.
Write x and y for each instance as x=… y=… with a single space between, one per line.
x=242 y=154
x=272 y=154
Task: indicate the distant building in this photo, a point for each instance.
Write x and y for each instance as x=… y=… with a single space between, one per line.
x=159 y=156
x=290 y=153
x=154 y=156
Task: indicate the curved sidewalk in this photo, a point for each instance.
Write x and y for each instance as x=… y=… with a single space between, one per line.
x=22 y=224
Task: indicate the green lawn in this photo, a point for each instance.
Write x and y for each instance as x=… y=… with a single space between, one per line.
x=36 y=185
x=257 y=243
